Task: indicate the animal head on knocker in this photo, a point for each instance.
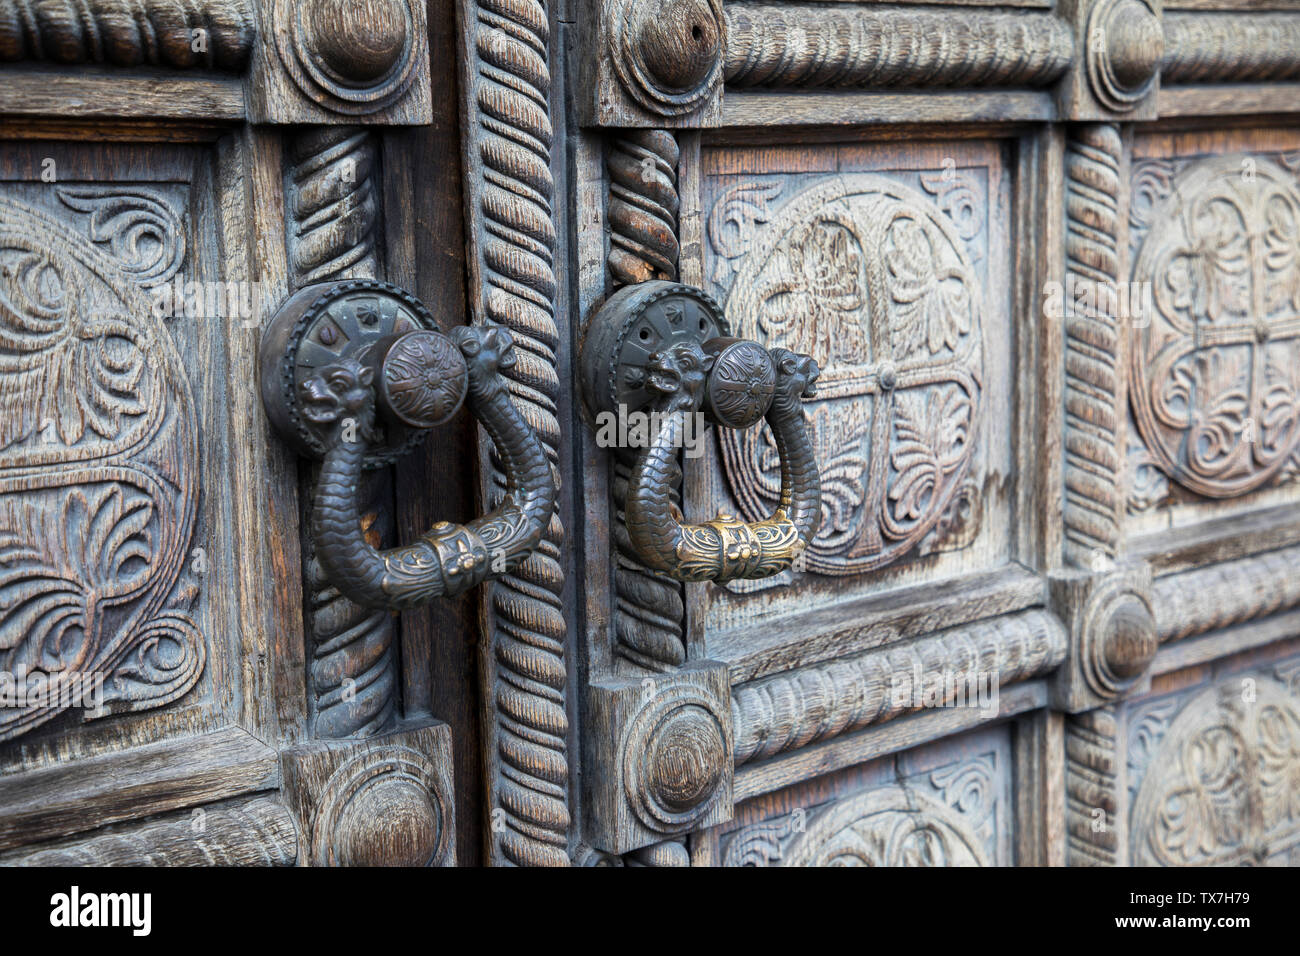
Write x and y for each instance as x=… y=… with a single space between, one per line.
x=796 y=376
x=339 y=392
x=679 y=373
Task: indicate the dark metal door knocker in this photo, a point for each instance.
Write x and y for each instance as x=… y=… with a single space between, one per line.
x=355 y=373
x=664 y=347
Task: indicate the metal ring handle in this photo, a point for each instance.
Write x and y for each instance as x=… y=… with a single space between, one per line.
x=352 y=393
x=726 y=548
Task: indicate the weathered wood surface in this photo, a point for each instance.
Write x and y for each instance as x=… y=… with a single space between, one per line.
x=257 y=832
x=76 y=796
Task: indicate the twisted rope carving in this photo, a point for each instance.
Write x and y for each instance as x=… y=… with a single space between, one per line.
x=1091 y=783
x=333 y=212
x=642 y=207
x=514 y=243
x=1094 y=395
x=821 y=701
x=128 y=32
x=642 y=212
x=1218 y=596
x=1230 y=48
x=334 y=205
x=817 y=47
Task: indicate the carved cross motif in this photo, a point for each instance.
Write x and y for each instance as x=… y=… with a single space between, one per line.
x=1216 y=369
x=871 y=279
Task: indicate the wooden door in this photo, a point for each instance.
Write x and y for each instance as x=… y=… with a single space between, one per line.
x=1045 y=256
x=183 y=683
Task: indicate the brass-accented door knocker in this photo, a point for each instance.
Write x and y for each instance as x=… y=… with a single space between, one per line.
x=662 y=350
x=355 y=373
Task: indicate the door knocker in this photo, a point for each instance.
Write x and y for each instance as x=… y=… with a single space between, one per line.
x=355 y=373
x=663 y=348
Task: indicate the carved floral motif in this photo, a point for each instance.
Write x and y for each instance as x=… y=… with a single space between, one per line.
x=947 y=817
x=98 y=453
x=875 y=282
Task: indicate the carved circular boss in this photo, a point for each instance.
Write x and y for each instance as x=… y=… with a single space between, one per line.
x=355 y=373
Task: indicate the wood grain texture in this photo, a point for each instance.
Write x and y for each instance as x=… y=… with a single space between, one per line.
x=1094 y=361
x=805 y=706
x=508 y=190
x=41 y=91
x=257 y=832
x=129 y=33
x=1039 y=744
x=1230 y=48
x=860 y=46
x=155 y=778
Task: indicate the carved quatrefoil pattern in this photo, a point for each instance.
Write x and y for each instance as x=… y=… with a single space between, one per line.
x=1216 y=776
x=875 y=281
x=1216 y=365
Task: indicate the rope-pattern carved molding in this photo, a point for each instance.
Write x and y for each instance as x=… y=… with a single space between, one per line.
x=811 y=704
x=1222 y=595
x=1230 y=48
x=1091 y=789
x=260 y=832
x=838 y=46
x=129 y=32
x=333 y=215
x=333 y=204
x=642 y=214
x=642 y=207
x=512 y=244
x=1094 y=392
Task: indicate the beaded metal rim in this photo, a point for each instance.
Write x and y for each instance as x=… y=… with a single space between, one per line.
x=707 y=301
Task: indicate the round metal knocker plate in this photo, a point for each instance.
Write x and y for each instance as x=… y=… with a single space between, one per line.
x=322 y=323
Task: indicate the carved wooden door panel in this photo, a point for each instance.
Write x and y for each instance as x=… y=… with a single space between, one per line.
x=182 y=682
x=1045 y=259
x=983 y=551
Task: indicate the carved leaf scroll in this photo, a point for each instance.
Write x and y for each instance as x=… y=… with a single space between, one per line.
x=98 y=452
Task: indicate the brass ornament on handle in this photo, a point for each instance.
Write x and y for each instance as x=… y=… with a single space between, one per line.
x=663 y=348
x=355 y=373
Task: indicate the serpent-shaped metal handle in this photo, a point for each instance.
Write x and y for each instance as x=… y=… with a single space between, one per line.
x=354 y=373
x=662 y=348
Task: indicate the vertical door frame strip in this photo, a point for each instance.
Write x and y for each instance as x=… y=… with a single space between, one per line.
x=507 y=136
x=333 y=213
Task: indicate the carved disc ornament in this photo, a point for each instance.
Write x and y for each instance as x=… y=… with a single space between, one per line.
x=668 y=53
x=350 y=56
x=871 y=279
x=1216 y=370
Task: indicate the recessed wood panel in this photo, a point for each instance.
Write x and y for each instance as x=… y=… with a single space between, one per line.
x=888 y=264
